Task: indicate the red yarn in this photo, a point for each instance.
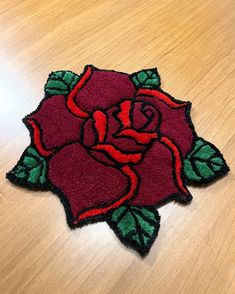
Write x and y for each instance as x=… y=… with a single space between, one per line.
x=139 y=137
x=37 y=139
x=124 y=114
x=117 y=154
x=100 y=124
x=177 y=162
x=72 y=106
x=161 y=96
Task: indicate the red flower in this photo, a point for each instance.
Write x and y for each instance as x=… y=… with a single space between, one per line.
x=109 y=144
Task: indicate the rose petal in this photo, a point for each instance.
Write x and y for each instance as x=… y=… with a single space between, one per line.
x=104 y=89
x=58 y=126
x=156 y=176
x=174 y=123
x=83 y=181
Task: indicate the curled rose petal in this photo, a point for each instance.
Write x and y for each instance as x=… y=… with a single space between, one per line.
x=88 y=185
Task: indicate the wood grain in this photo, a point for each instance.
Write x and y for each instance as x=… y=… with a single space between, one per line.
x=192 y=44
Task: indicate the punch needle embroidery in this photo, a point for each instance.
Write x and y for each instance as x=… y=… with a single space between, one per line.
x=112 y=146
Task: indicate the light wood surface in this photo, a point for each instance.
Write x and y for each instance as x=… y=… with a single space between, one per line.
x=192 y=44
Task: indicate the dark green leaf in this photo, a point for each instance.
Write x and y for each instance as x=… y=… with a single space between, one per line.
x=136 y=227
x=204 y=163
x=148 y=78
x=30 y=171
x=61 y=82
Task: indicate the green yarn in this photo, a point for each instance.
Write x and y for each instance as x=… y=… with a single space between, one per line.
x=204 y=163
x=61 y=83
x=137 y=227
x=31 y=169
x=148 y=78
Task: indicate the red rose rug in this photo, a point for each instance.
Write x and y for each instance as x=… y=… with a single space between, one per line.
x=113 y=146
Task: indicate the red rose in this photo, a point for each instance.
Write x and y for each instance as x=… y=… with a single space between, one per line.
x=109 y=144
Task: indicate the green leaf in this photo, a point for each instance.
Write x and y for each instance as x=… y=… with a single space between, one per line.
x=136 y=227
x=147 y=78
x=61 y=82
x=204 y=163
x=30 y=171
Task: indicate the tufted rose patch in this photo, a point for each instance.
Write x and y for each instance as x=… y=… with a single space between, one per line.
x=113 y=147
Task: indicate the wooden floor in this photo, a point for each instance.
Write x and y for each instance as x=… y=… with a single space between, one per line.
x=192 y=43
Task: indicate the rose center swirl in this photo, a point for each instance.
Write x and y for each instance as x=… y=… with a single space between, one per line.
x=130 y=122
